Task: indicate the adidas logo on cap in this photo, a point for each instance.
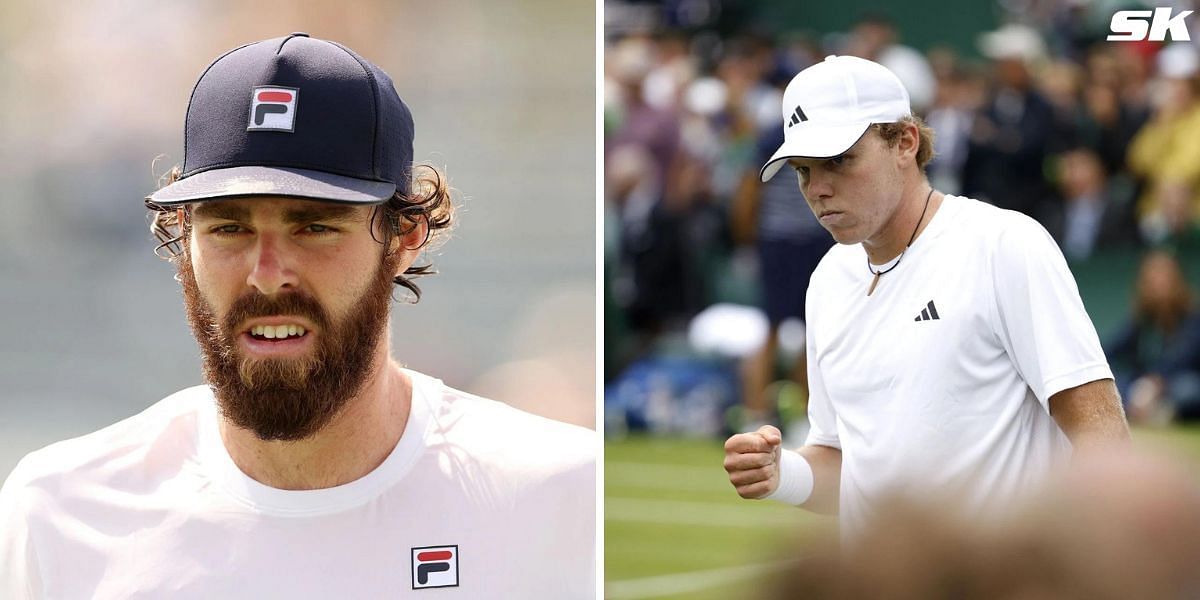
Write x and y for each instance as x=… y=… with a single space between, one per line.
x=797 y=116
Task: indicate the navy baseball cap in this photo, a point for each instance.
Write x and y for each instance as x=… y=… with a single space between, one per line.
x=294 y=116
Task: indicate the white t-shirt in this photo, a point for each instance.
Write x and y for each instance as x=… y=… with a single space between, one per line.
x=477 y=498
x=941 y=379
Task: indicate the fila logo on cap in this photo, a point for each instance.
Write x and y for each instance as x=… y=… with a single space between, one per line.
x=797 y=117
x=273 y=109
x=434 y=567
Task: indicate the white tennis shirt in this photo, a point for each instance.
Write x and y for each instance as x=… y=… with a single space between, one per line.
x=941 y=379
x=477 y=500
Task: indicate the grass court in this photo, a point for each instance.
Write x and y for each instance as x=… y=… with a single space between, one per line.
x=674 y=527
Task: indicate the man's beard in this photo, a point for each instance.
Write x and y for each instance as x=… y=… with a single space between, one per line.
x=288 y=398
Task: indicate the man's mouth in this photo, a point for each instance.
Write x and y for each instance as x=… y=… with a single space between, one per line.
x=288 y=339
x=277 y=332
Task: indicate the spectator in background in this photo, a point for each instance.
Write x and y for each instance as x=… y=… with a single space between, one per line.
x=1090 y=217
x=742 y=69
x=1010 y=135
x=694 y=120
x=1157 y=353
x=1060 y=82
x=796 y=52
x=789 y=241
x=1107 y=121
x=665 y=82
x=874 y=38
x=1127 y=67
x=633 y=119
x=651 y=183
x=1165 y=154
x=959 y=94
x=651 y=282
x=1071 y=32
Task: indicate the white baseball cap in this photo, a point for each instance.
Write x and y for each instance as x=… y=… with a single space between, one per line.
x=829 y=106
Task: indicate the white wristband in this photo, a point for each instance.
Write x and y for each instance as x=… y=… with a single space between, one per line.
x=795 y=479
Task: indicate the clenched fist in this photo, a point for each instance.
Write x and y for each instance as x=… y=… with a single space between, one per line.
x=752 y=461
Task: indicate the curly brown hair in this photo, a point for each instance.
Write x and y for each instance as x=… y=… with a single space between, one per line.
x=429 y=201
x=890 y=132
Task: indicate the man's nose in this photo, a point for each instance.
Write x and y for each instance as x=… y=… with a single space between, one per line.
x=819 y=185
x=271 y=271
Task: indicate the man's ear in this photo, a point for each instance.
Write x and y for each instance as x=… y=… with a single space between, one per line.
x=417 y=234
x=910 y=141
x=409 y=241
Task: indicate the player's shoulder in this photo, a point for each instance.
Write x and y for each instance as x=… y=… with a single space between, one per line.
x=1002 y=242
x=503 y=436
x=989 y=224
x=160 y=434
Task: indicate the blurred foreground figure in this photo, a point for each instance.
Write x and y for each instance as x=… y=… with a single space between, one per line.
x=1116 y=528
x=312 y=465
x=947 y=345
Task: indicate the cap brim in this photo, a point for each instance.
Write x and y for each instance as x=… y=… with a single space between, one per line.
x=237 y=182
x=825 y=141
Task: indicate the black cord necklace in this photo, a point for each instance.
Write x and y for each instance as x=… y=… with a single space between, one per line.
x=875 y=282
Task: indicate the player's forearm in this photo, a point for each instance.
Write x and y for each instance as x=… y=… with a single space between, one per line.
x=1091 y=416
x=826 y=464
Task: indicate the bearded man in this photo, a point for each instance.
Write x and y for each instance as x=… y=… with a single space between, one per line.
x=312 y=465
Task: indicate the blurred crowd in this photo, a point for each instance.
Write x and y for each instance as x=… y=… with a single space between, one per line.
x=1099 y=141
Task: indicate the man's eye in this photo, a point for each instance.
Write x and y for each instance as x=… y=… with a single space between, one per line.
x=838 y=160
x=227 y=229
x=318 y=228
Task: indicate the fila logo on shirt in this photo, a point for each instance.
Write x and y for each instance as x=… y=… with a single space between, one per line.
x=273 y=109
x=797 y=116
x=434 y=567
x=929 y=313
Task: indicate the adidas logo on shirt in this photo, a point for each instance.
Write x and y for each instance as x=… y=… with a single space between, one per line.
x=929 y=313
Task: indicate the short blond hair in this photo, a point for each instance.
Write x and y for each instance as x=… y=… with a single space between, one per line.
x=891 y=132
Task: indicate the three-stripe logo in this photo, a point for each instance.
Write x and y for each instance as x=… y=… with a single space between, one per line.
x=273 y=109
x=929 y=313
x=434 y=567
x=797 y=116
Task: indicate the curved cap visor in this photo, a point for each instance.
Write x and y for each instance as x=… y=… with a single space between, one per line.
x=237 y=182
x=813 y=141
